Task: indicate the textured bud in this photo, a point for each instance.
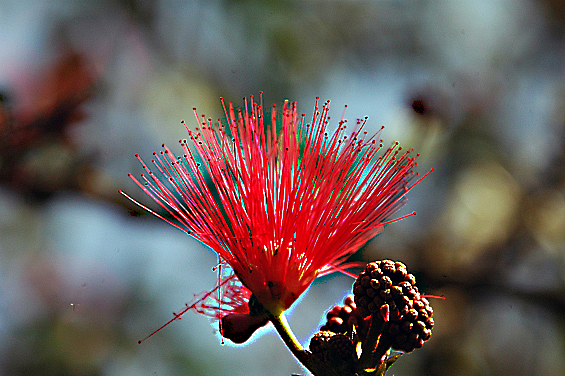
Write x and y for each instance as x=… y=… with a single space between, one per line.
x=384 y=282
x=410 y=331
x=393 y=296
x=341 y=319
x=333 y=351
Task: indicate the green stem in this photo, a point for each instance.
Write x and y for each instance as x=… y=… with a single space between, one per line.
x=290 y=340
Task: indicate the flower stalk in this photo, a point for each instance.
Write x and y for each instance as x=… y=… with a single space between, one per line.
x=285 y=332
x=371 y=343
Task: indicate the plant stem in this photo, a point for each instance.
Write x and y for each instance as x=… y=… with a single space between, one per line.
x=290 y=340
x=370 y=344
x=384 y=344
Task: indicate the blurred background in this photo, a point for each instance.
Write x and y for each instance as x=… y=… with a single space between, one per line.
x=477 y=87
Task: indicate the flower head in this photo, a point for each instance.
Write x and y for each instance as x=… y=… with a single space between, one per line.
x=286 y=201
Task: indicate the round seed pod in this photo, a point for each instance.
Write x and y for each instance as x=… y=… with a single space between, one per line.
x=333 y=351
x=384 y=283
x=410 y=331
x=386 y=289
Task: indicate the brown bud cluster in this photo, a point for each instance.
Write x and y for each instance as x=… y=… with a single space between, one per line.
x=409 y=331
x=342 y=319
x=387 y=290
x=334 y=350
x=384 y=282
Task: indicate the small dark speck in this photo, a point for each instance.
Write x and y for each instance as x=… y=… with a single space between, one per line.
x=419 y=107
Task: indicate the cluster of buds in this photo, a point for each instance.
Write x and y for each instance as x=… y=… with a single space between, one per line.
x=346 y=319
x=386 y=312
x=333 y=353
x=386 y=290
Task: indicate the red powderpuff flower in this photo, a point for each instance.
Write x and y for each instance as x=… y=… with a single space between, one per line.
x=287 y=201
